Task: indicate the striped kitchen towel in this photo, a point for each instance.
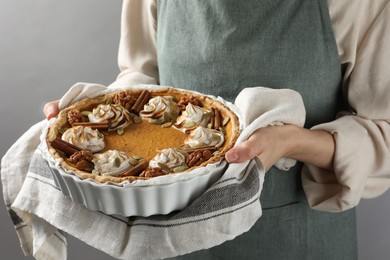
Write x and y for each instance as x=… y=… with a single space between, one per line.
x=42 y=214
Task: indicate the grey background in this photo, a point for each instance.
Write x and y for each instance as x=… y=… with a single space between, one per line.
x=47 y=46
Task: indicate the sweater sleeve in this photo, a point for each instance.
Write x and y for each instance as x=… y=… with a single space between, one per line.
x=362 y=135
x=137 y=56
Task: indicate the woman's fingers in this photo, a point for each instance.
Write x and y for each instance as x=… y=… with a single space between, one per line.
x=269 y=144
x=50 y=109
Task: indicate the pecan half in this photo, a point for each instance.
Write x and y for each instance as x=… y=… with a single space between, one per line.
x=83 y=160
x=85 y=165
x=184 y=100
x=198 y=157
x=152 y=172
x=125 y=99
x=75 y=116
x=81 y=155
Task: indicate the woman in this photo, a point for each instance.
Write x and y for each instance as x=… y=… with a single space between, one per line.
x=334 y=53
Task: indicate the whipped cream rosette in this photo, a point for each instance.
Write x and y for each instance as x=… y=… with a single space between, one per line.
x=115 y=115
x=84 y=138
x=159 y=110
x=111 y=162
x=192 y=117
x=202 y=136
x=171 y=158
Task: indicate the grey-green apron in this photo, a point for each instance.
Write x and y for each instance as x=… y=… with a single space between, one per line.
x=220 y=47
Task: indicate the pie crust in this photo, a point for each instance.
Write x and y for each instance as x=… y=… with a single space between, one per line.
x=143 y=138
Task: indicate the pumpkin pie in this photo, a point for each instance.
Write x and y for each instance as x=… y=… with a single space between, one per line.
x=138 y=134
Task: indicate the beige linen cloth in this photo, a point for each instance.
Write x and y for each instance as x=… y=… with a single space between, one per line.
x=42 y=214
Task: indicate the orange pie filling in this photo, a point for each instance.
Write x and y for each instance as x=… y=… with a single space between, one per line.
x=136 y=140
x=138 y=135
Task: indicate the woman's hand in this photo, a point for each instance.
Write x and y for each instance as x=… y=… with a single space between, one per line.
x=51 y=109
x=272 y=143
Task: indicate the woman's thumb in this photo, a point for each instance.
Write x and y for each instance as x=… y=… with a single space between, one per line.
x=241 y=152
